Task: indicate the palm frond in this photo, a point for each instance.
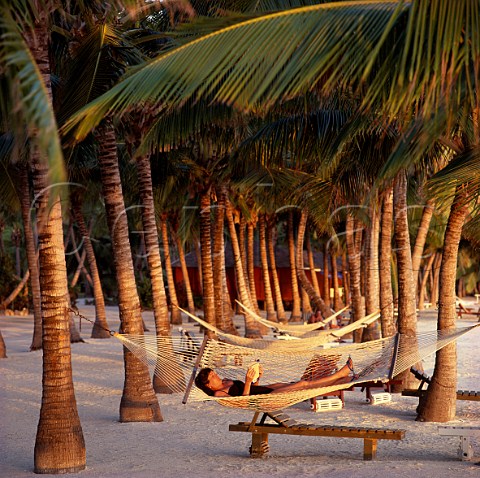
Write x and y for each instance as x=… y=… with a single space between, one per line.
x=35 y=105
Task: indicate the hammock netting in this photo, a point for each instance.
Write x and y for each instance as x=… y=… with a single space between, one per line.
x=175 y=360
x=297 y=330
x=311 y=339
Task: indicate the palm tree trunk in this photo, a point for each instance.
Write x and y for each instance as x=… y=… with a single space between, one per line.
x=175 y=315
x=186 y=277
x=13 y=295
x=441 y=401
x=206 y=259
x=3 y=348
x=337 y=300
x=59 y=445
x=32 y=257
x=152 y=249
x=269 y=304
x=420 y=240
x=311 y=264
x=251 y=326
x=218 y=258
x=296 y=314
x=407 y=315
x=198 y=254
x=372 y=296
x=317 y=301
x=436 y=277
x=100 y=326
x=346 y=279
x=426 y=274
x=354 y=270
x=281 y=317
x=222 y=298
x=138 y=402
x=251 y=264
x=326 y=273
x=385 y=265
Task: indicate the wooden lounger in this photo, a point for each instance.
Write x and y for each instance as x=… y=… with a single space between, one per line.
x=283 y=424
x=420 y=392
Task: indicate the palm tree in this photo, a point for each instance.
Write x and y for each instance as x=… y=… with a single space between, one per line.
x=59 y=445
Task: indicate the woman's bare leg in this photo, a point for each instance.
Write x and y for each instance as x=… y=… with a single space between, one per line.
x=340 y=376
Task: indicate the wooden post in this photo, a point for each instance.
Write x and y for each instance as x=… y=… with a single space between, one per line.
x=369 y=448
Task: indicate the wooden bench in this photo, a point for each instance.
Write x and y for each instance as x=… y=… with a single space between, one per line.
x=420 y=392
x=465 y=449
x=285 y=425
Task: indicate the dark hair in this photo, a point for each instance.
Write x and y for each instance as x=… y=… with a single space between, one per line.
x=201 y=381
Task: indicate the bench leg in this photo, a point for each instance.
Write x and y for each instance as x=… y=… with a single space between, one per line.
x=260 y=445
x=369 y=448
x=465 y=450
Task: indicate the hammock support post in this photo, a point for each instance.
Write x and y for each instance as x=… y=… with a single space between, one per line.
x=194 y=371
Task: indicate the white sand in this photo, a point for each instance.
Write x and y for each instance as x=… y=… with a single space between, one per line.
x=193 y=440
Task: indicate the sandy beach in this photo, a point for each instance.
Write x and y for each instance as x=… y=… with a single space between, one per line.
x=194 y=441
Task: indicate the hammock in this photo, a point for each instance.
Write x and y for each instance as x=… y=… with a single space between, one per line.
x=337 y=333
x=291 y=329
x=176 y=359
x=312 y=339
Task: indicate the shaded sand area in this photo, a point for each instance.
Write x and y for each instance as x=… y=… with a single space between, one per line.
x=194 y=441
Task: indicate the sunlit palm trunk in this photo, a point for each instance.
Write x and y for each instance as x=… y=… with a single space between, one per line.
x=353 y=238
x=311 y=264
x=160 y=306
x=372 y=299
x=436 y=278
x=346 y=279
x=407 y=315
x=59 y=445
x=138 y=402
x=251 y=264
x=337 y=300
x=281 y=316
x=222 y=297
x=317 y=301
x=385 y=265
x=206 y=259
x=326 y=273
x=296 y=314
x=420 y=240
x=218 y=259
x=251 y=326
x=100 y=327
x=3 y=348
x=176 y=316
x=32 y=257
x=186 y=277
x=441 y=401
x=423 y=285
x=269 y=304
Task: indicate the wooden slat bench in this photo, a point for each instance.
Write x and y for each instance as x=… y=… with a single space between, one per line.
x=420 y=392
x=283 y=424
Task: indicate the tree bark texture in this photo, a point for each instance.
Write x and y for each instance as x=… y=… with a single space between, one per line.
x=441 y=401
x=138 y=402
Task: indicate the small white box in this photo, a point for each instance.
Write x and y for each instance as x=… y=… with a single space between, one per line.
x=381 y=397
x=328 y=404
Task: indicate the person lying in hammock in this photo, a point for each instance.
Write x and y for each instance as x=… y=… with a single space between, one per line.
x=213 y=385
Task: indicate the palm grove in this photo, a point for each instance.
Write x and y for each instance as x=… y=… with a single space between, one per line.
x=352 y=128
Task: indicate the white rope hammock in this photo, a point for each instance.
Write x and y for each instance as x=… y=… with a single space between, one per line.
x=292 y=329
x=337 y=333
x=310 y=340
x=175 y=360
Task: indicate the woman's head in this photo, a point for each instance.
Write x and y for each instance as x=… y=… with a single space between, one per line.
x=201 y=381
